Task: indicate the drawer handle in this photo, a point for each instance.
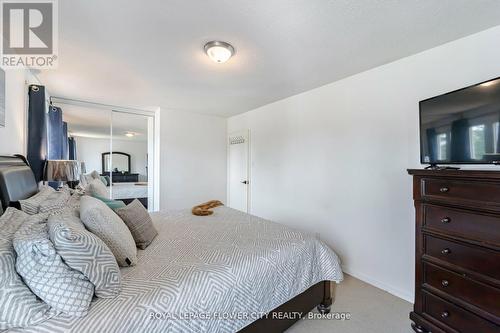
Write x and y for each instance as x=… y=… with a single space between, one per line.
x=446 y=251
x=417 y=328
x=445 y=220
x=444 y=189
x=445 y=314
x=445 y=283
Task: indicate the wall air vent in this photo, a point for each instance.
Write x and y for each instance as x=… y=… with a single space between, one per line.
x=236 y=140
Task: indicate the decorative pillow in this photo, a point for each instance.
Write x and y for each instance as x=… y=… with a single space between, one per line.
x=137 y=219
x=108 y=180
x=55 y=201
x=86 y=253
x=20 y=307
x=44 y=272
x=94 y=174
x=96 y=187
x=113 y=204
x=103 y=222
x=103 y=180
x=85 y=180
x=32 y=205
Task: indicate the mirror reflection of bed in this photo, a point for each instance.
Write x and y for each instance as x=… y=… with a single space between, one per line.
x=113 y=147
x=125 y=184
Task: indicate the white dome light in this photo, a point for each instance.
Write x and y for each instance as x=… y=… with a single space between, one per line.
x=219 y=52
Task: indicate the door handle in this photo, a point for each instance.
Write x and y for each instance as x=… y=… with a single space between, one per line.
x=244 y=182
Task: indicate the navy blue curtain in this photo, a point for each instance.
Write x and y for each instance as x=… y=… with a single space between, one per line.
x=37 y=130
x=55 y=131
x=72 y=148
x=64 y=138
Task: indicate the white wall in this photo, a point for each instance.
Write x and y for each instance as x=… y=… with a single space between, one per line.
x=193 y=159
x=89 y=150
x=333 y=160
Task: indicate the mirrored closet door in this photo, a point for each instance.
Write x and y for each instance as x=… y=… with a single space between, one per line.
x=114 y=147
x=127 y=163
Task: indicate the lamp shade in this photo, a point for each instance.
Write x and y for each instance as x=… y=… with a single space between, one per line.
x=62 y=170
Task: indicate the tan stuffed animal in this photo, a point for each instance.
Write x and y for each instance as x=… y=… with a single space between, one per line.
x=204 y=209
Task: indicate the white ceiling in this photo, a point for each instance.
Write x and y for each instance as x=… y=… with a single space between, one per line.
x=150 y=53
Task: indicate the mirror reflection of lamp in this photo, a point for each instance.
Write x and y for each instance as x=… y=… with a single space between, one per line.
x=68 y=171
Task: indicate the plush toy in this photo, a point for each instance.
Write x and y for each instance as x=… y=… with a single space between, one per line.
x=204 y=209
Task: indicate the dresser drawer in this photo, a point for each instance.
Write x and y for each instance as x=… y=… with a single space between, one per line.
x=475 y=192
x=456 y=317
x=466 y=224
x=478 y=294
x=473 y=258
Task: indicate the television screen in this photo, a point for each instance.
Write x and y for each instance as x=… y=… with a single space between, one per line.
x=462 y=127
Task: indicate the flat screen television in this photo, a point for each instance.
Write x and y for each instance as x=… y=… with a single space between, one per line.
x=462 y=127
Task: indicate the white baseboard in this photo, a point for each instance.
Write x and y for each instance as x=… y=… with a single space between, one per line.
x=381 y=285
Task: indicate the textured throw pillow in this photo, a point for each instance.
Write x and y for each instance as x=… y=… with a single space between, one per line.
x=103 y=180
x=108 y=180
x=94 y=174
x=103 y=222
x=61 y=287
x=19 y=306
x=55 y=201
x=86 y=253
x=32 y=205
x=96 y=187
x=137 y=219
x=113 y=204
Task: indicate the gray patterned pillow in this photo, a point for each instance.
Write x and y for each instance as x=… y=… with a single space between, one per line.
x=86 y=253
x=137 y=219
x=97 y=187
x=103 y=222
x=43 y=270
x=55 y=201
x=32 y=205
x=20 y=307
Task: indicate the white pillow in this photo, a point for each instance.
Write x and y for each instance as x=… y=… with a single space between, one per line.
x=86 y=253
x=20 y=307
x=94 y=174
x=97 y=187
x=32 y=205
x=103 y=222
x=46 y=274
x=55 y=201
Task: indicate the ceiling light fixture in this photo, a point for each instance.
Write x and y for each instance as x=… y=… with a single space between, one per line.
x=218 y=51
x=129 y=134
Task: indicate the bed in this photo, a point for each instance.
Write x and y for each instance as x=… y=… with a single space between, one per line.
x=227 y=272
x=127 y=192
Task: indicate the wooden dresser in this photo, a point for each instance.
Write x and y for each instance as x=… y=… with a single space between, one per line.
x=119 y=177
x=457 y=272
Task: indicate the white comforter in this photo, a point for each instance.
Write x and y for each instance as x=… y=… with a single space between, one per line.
x=128 y=191
x=199 y=270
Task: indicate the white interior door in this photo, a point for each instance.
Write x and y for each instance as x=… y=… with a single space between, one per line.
x=238 y=177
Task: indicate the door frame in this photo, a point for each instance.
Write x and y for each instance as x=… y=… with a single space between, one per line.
x=245 y=132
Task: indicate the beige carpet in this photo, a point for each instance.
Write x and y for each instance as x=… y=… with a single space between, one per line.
x=372 y=311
